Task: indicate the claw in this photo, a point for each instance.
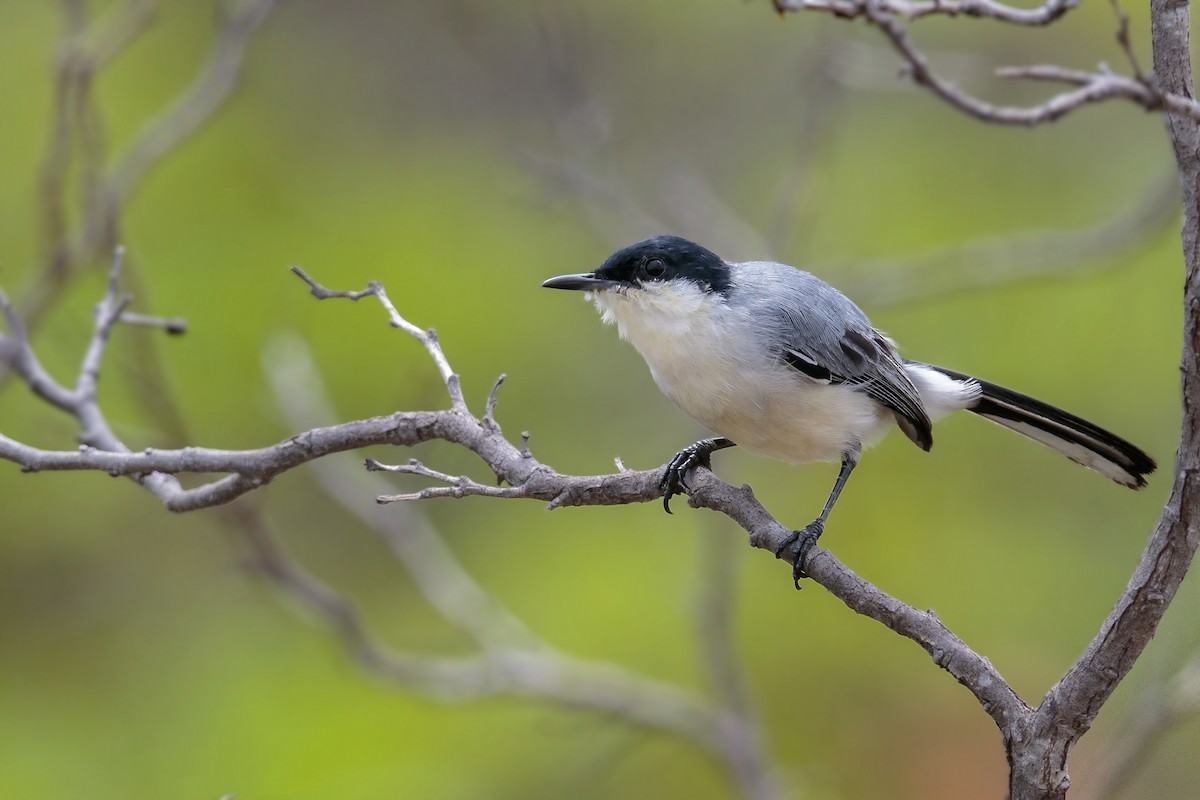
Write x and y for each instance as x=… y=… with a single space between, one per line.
x=668 y=484
x=672 y=479
x=687 y=459
x=807 y=538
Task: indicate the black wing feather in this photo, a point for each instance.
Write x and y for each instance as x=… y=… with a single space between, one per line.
x=827 y=338
x=872 y=366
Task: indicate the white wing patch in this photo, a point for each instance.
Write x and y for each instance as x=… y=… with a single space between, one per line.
x=941 y=394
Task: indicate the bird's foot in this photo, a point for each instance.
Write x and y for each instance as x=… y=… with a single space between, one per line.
x=806 y=538
x=687 y=459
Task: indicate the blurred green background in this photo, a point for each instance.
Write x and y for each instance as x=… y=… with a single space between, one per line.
x=461 y=151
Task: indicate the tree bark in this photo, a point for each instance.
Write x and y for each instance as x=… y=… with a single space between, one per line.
x=1038 y=752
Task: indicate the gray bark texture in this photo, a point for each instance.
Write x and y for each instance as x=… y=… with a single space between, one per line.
x=1038 y=750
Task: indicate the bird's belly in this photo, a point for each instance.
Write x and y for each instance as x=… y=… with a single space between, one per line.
x=781 y=416
x=737 y=391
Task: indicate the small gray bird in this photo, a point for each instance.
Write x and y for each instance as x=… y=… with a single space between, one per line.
x=778 y=361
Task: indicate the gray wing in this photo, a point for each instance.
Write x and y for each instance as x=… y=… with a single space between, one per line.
x=822 y=334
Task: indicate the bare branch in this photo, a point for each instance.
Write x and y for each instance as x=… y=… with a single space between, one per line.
x=174 y=326
x=886 y=15
x=427 y=338
x=533 y=480
x=460 y=485
x=248 y=469
x=81 y=402
x=1037 y=741
x=1101 y=87
x=18 y=356
x=321 y=293
x=1069 y=708
x=108 y=312
x=1064 y=715
x=1051 y=73
x=1072 y=704
x=1124 y=41
x=1044 y=14
x=489 y=412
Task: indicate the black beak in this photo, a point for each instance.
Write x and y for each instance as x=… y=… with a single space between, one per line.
x=587 y=282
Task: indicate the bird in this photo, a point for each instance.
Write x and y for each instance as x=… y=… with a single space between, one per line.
x=776 y=361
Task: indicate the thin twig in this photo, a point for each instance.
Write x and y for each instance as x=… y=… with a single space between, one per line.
x=1044 y=14
x=428 y=338
x=174 y=326
x=1050 y=73
x=1124 y=41
x=108 y=312
x=1101 y=87
x=489 y=410
x=886 y=15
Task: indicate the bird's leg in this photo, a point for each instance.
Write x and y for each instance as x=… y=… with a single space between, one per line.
x=811 y=532
x=694 y=455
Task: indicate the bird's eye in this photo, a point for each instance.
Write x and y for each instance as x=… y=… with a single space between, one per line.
x=655 y=268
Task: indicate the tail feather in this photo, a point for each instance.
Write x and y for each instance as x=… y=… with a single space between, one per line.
x=1074 y=437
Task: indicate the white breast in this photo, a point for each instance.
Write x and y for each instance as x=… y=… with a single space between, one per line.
x=732 y=387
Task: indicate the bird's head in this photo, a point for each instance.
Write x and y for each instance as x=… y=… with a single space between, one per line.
x=654 y=287
x=650 y=265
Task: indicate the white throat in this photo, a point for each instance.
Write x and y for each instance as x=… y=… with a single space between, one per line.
x=688 y=337
x=661 y=312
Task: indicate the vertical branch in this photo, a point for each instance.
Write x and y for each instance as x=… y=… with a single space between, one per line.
x=108 y=311
x=1039 y=764
x=427 y=338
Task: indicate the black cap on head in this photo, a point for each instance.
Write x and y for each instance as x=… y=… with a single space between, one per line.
x=666 y=258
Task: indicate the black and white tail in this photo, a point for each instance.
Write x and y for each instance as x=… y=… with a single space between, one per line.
x=1061 y=431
